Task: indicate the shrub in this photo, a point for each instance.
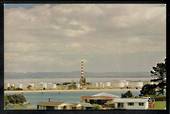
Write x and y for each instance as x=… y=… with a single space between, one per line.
x=97 y=107
x=160 y=98
x=14 y=99
x=127 y=94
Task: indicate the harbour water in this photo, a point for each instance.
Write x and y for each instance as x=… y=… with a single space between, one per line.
x=72 y=97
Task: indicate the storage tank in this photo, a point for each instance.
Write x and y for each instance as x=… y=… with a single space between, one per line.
x=108 y=84
x=139 y=84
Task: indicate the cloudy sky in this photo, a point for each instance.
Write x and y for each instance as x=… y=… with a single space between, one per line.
x=109 y=37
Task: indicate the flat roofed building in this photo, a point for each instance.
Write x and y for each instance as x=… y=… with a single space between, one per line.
x=84 y=106
x=131 y=103
x=67 y=106
x=48 y=105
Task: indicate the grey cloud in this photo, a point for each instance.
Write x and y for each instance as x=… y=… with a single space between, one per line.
x=50 y=37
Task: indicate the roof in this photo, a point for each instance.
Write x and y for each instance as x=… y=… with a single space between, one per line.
x=130 y=100
x=84 y=104
x=105 y=94
x=51 y=103
x=67 y=104
x=101 y=98
x=97 y=97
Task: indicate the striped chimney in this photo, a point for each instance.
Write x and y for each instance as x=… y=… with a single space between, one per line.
x=82 y=68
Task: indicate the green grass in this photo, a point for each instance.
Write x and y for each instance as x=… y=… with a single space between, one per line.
x=160 y=105
x=19 y=107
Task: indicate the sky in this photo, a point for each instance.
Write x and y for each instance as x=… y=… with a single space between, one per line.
x=108 y=37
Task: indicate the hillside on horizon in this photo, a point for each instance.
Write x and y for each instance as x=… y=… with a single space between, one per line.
x=74 y=74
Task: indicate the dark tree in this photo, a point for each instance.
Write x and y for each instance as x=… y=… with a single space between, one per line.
x=82 y=81
x=148 y=90
x=29 y=86
x=128 y=94
x=159 y=75
x=15 y=99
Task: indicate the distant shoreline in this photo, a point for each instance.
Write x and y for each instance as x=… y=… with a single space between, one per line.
x=83 y=90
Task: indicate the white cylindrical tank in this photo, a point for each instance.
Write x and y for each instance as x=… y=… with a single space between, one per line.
x=101 y=84
x=126 y=83
x=49 y=85
x=135 y=84
x=108 y=84
x=118 y=84
x=139 y=84
x=13 y=85
x=8 y=85
x=54 y=86
x=44 y=85
x=20 y=86
x=132 y=84
x=78 y=85
x=97 y=84
x=121 y=84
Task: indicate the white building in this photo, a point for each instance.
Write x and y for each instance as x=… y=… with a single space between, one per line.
x=131 y=103
x=135 y=84
x=19 y=85
x=41 y=85
x=120 y=84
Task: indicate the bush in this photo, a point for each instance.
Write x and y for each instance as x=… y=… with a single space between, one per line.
x=18 y=88
x=6 y=101
x=14 y=99
x=66 y=83
x=72 y=86
x=160 y=98
x=97 y=107
x=127 y=94
x=29 y=86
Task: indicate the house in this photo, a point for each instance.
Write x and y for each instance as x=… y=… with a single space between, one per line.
x=135 y=84
x=67 y=106
x=50 y=105
x=100 y=98
x=131 y=103
x=84 y=106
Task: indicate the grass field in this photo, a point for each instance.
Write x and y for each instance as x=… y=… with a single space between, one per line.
x=160 y=105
